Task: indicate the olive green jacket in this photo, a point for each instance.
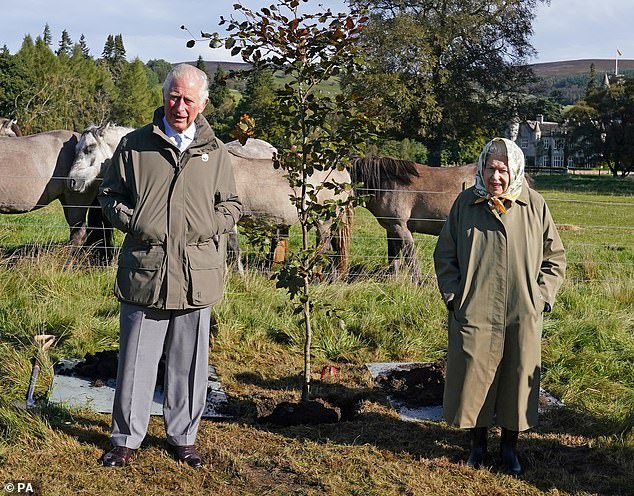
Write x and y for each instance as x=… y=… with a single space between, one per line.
x=496 y=273
x=175 y=209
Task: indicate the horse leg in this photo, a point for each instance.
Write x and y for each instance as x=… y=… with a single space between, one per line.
x=401 y=240
x=279 y=245
x=233 y=250
x=409 y=254
x=394 y=247
x=324 y=243
x=99 y=238
x=76 y=218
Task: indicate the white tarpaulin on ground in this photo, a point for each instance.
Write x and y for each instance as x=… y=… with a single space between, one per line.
x=410 y=413
x=78 y=392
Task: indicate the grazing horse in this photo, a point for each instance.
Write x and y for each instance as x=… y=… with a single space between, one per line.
x=9 y=128
x=265 y=195
x=33 y=173
x=407 y=197
x=263 y=190
x=93 y=155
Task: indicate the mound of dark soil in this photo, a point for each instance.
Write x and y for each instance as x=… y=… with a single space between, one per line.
x=420 y=384
x=307 y=413
x=101 y=367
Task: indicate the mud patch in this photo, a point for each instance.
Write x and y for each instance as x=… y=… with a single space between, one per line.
x=417 y=384
x=305 y=413
x=415 y=389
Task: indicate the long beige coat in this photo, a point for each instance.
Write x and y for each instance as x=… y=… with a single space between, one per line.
x=496 y=273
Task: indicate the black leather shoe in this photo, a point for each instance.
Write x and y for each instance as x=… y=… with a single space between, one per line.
x=508 y=452
x=187 y=454
x=119 y=456
x=478 y=444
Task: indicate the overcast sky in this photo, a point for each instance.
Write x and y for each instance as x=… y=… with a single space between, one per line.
x=565 y=30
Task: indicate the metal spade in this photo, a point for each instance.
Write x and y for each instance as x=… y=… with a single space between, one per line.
x=43 y=342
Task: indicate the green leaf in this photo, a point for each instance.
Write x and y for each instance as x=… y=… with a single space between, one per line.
x=191 y=43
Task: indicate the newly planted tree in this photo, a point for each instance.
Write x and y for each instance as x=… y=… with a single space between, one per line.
x=322 y=130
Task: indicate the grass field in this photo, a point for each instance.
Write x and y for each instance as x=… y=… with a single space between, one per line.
x=585 y=448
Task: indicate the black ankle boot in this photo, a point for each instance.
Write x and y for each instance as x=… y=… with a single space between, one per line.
x=508 y=452
x=478 y=447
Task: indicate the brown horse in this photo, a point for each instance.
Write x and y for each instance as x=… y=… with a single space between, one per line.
x=406 y=197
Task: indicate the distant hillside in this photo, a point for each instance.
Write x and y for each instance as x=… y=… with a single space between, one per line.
x=561 y=68
x=565 y=81
x=573 y=67
x=212 y=67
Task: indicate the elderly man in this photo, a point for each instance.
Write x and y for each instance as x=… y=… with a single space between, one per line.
x=171 y=189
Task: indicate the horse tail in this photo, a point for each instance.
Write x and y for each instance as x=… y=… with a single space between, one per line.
x=342 y=240
x=365 y=170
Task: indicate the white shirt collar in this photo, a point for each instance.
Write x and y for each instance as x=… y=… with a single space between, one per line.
x=186 y=137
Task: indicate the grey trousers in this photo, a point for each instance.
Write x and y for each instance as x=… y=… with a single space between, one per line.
x=144 y=334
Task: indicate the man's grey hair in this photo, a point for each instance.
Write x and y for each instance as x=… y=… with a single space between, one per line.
x=187 y=71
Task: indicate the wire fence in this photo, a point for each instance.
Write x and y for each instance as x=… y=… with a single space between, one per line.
x=600 y=244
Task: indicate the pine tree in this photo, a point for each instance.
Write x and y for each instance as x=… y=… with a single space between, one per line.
x=108 y=49
x=114 y=55
x=13 y=82
x=200 y=64
x=218 y=91
x=46 y=36
x=136 y=100
x=160 y=67
x=27 y=43
x=65 y=44
x=258 y=101
x=39 y=105
x=593 y=84
x=84 y=47
x=119 y=49
x=95 y=92
x=221 y=109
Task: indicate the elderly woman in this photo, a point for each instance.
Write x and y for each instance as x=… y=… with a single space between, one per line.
x=499 y=263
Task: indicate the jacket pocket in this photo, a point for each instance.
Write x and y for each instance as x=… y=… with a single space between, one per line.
x=139 y=275
x=206 y=272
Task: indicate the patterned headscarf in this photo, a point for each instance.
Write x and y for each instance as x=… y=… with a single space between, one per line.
x=501 y=147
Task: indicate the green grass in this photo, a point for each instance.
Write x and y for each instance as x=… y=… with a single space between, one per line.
x=587 y=447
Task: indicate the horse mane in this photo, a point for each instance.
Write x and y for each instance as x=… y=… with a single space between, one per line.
x=377 y=173
x=11 y=125
x=16 y=129
x=97 y=130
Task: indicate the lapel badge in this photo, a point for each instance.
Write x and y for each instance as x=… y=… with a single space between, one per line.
x=205 y=157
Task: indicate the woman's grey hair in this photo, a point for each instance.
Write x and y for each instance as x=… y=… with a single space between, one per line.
x=497 y=150
x=187 y=71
